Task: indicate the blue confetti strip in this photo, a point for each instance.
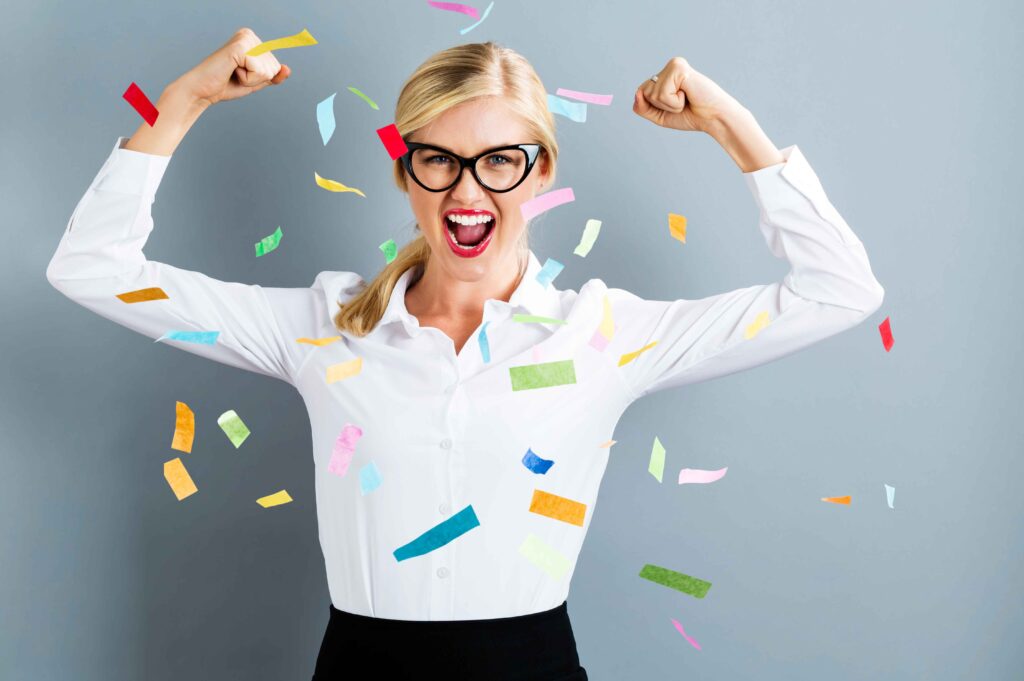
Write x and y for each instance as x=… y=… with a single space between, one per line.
x=202 y=337
x=369 y=478
x=464 y=31
x=535 y=463
x=439 y=535
x=485 y=348
x=325 y=118
x=574 y=111
x=548 y=273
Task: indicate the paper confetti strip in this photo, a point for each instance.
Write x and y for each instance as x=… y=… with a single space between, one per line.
x=455 y=7
x=603 y=335
x=677 y=227
x=630 y=356
x=536 y=319
x=325 y=118
x=574 y=111
x=656 y=467
x=545 y=202
x=369 y=478
x=389 y=249
x=886 y=330
x=179 y=479
x=140 y=102
x=275 y=499
x=588 y=97
x=679 y=628
x=837 y=500
x=300 y=39
x=469 y=28
x=548 y=273
x=344 y=449
x=760 y=322
x=543 y=556
x=319 y=342
x=890 y=495
x=199 y=337
x=143 y=294
x=558 y=508
x=392 y=141
x=268 y=243
x=692 y=586
x=485 y=346
x=535 y=463
x=333 y=186
x=233 y=427
x=439 y=535
x=695 y=476
x=544 y=375
x=184 y=428
x=590 y=232
x=343 y=370
x=603 y=445
x=358 y=93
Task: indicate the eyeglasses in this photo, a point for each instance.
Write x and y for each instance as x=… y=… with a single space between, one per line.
x=436 y=169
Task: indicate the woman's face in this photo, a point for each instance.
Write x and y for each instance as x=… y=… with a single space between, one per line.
x=469 y=129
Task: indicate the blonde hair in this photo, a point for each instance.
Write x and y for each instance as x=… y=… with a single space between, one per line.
x=448 y=78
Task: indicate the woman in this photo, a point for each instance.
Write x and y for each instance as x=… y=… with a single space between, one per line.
x=450 y=545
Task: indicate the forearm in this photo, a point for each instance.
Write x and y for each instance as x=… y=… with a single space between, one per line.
x=178 y=112
x=738 y=132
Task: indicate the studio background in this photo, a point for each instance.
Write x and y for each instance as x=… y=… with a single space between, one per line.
x=905 y=111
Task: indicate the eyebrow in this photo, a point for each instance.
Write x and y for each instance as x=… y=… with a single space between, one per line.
x=496 y=146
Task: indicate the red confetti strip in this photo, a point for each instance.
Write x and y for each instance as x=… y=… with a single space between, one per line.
x=140 y=102
x=886 y=334
x=393 y=142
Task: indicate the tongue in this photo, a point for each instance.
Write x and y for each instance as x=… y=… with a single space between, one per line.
x=470 y=235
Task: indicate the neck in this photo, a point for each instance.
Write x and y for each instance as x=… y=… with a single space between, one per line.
x=437 y=294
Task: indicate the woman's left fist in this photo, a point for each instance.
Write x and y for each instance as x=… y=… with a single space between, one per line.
x=682 y=98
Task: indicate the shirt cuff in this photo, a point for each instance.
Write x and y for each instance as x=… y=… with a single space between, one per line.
x=131 y=172
x=776 y=186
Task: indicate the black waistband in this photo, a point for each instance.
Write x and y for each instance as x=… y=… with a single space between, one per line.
x=533 y=619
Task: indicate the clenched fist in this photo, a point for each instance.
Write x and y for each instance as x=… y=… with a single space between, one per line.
x=682 y=98
x=229 y=73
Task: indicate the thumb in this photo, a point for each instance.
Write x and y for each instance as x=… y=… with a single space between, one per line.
x=282 y=75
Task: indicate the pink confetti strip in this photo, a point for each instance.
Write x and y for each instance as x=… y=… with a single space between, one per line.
x=589 y=97
x=694 y=475
x=545 y=202
x=344 y=449
x=679 y=628
x=456 y=7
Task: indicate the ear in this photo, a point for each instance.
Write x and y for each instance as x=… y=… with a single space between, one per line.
x=544 y=170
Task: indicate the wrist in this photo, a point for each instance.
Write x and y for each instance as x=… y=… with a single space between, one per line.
x=180 y=98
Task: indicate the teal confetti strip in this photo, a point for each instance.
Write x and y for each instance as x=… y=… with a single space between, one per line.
x=360 y=95
x=439 y=535
x=268 y=243
x=201 y=337
x=692 y=586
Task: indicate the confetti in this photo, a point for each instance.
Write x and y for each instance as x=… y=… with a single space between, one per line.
x=574 y=111
x=837 y=500
x=392 y=141
x=603 y=445
x=677 y=227
x=360 y=95
x=760 y=322
x=178 y=478
x=695 y=476
x=332 y=186
x=140 y=102
x=890 y=495
x=656 y=467
x=886 y=332
x=455 y=7
x=558 y=508
x=184 y=428
x=603 y=335
x=233 y=427
x=369 y=478
x=275 y=499
x=546 y=201
x=548 y=273
x=301 y=39
x=532 y=318
x=343 y=370
x=543 y=556
x=679 y=628
x=535 y=463
x=544 y=375
x=469 y=28
x=630 y=356
x=344 y=449
x=200 y=337
x=268 y=243
x=590 y=232
x=439 y=535
x=692 y=586
x=143 y=294
x=485 y=348
x=588 y=97
x=389 y=249
x=325 y=118
x=319 y=342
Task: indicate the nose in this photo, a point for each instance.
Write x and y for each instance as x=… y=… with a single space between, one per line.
x=467 y=189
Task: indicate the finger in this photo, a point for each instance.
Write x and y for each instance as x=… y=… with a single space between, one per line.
x=643 y=107
x=281 y=75
x=668 y=90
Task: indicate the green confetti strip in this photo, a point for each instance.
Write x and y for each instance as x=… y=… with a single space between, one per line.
x=697 y=588
x=537 y=319
x=543 y=375
x=268 y=243
x=657 y=465
x=233 y=427
x=360 y=95
x=389 y=249
x=590 y=233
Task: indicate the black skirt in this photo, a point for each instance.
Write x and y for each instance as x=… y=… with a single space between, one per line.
x=539 y=647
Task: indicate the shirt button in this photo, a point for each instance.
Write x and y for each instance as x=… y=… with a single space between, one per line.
x=446 y=443
x=442 y=572
x=444 y=508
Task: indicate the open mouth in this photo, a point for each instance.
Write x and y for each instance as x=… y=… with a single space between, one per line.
x=469 y=232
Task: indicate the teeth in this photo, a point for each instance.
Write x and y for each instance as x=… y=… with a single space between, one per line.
x=469 y=219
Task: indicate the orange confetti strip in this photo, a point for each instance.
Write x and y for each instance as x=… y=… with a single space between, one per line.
x=143 y=294
x=319 y=342
x=343 y=370
x=630 y=356
x=179 y=479
x=837 y=500
x=559 y=508
x=184 y=428
x=677 y=226
x=606 y=444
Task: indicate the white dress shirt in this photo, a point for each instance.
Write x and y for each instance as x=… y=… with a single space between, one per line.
x=446 y=431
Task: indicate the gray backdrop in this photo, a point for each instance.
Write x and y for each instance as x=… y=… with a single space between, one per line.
x=907 y=113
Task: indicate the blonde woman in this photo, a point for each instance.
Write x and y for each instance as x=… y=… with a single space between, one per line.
x=448 y=534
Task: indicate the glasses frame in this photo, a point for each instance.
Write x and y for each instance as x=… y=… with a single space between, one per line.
x=532 y=154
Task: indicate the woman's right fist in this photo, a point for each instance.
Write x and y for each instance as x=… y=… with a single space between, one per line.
x=229 y=73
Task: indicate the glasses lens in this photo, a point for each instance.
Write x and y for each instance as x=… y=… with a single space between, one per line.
x=434 y=168
x=502 y=169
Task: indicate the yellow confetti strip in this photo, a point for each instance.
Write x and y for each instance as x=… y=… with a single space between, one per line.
x=332 y=186
x=179 y=479
x=761 y=321
x=677 y=226
x=184 y=428
x=343 y=370
x=275 y=499
x=559 y=508
x=607 y=328
x=301 y=39
x=319 y=342
x=630 y=356
x=143 y=294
